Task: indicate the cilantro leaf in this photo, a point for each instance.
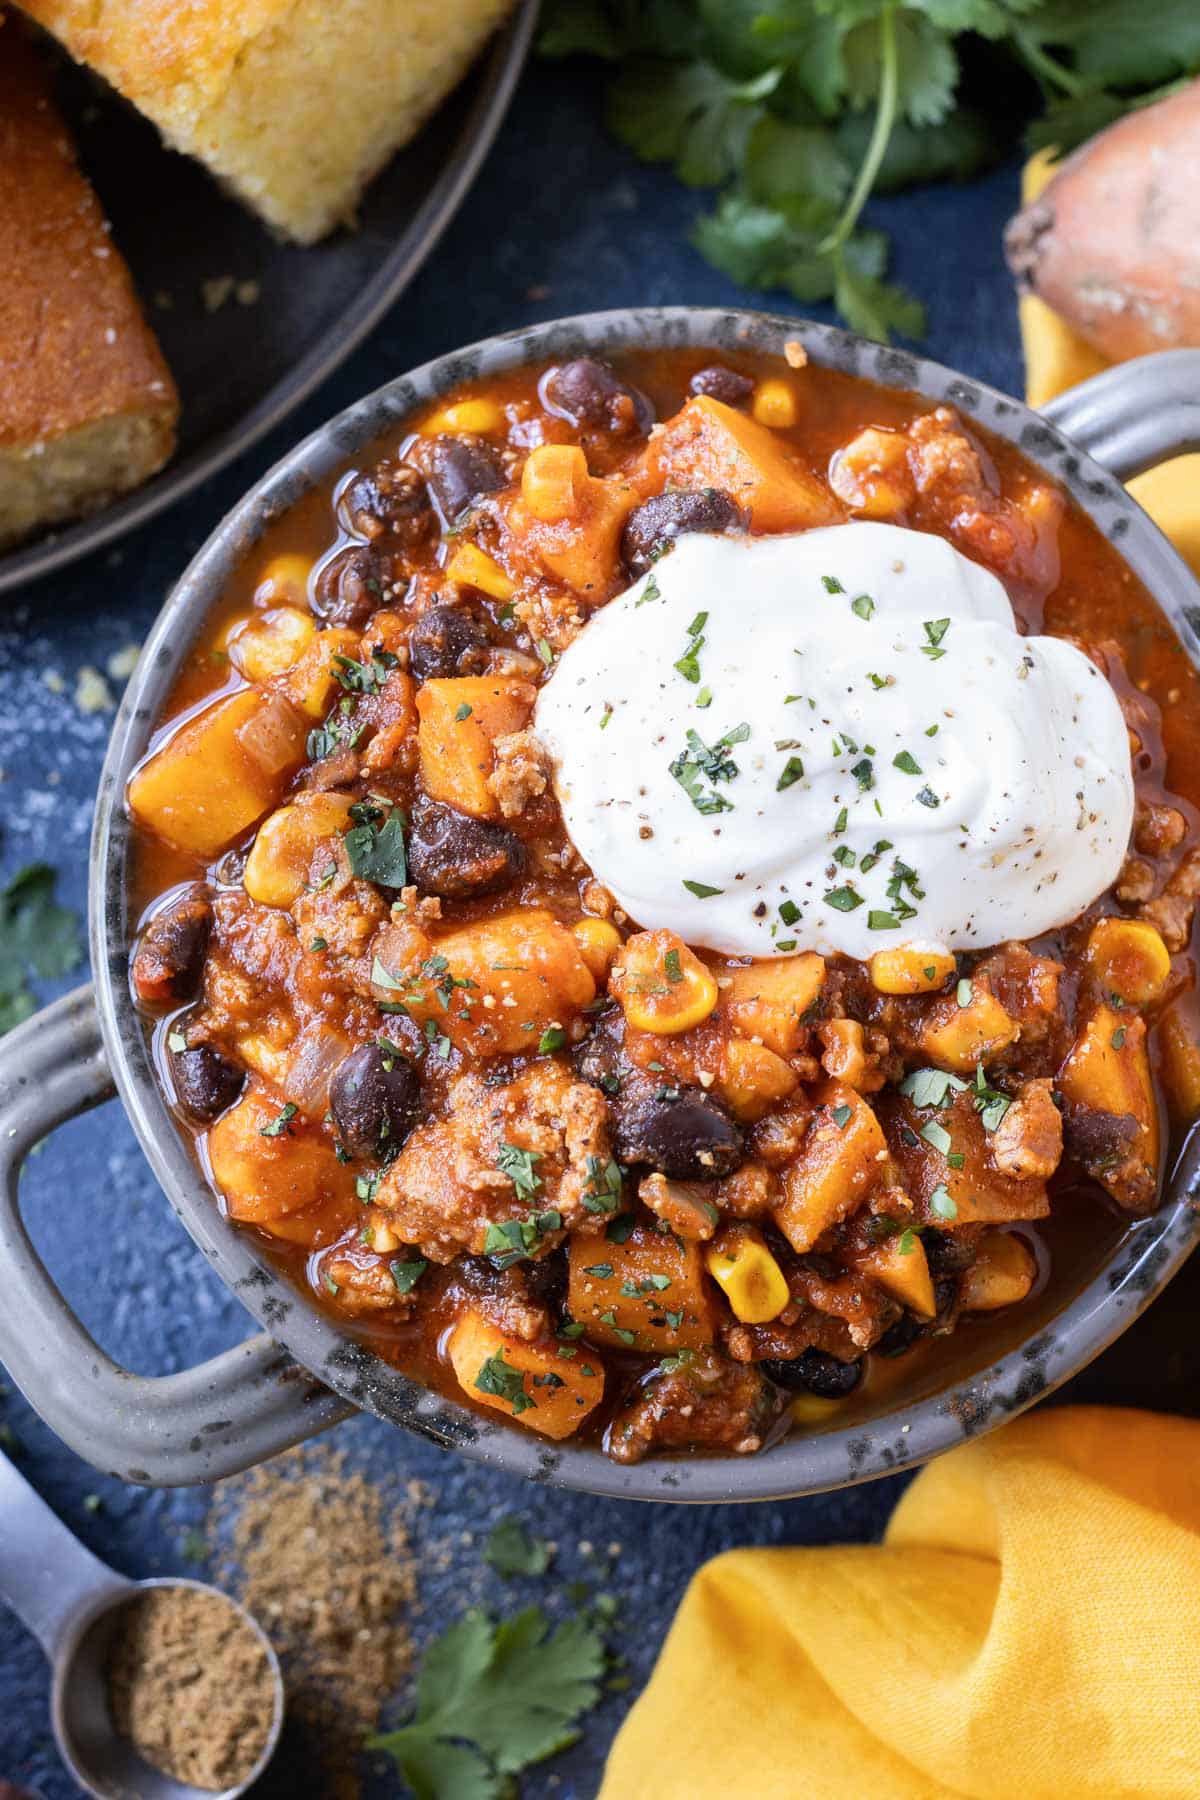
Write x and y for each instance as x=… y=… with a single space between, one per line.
x=377 y=853
x=794 y=109
x=511 y=1551
x=688 y=114
x=513 y=1692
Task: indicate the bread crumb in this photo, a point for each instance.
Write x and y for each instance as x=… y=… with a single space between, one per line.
x=92 y=692
x=216 y=292
x=122 y=663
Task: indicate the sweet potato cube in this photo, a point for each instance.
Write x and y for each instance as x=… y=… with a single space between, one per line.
x=1180 y=1065
x=753 y=1079
x=840 y=1161
x=311 y=683
x=768 y=1000
x=270 y=1165
x=648 y=1293
x=967 y=1192
x=1108 y=1072
x=573 y=519
x=492 y=987
x=901 y=1269
x=710 y=444
x=213 y=777
x=459 y=720
x=547 y=1389
x=957 y=1037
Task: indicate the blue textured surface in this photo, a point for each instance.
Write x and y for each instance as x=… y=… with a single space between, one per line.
x=561 y=212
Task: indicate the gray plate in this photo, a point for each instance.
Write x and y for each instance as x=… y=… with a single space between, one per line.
x=241 y=369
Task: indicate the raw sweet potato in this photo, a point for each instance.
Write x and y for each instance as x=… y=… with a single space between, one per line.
x=1112 y=244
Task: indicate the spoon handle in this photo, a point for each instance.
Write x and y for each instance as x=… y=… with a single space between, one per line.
x=46 y=1574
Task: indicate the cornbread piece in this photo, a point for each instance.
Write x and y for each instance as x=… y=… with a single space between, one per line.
x=87 y=405
x=293 y=103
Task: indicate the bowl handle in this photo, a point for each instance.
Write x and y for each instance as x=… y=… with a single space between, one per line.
x=163 y=1431
x=1135 y=414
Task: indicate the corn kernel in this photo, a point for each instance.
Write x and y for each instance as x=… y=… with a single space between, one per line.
x=284 y=582
x=480 y=416
x=551 y=479
x=813 y=1409
x=661 y=984
x=748 y=1275
x=774 y=404
x=1130 y=959
x=598 y=942
x=475 y=568
x=911 y=970
x=1003 y=1272
x=278 y=864
x=267 y=643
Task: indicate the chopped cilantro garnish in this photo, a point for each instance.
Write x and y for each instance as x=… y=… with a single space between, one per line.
x=863 y=606
x=878 y=920
x=280 y=1122
x=517 y=1164
x=907 y=763
x=935 y=631
x=376 y=853
x=832 y=585
x=497 y=1376
x=843 y=899
x=702 y=890
x=964 y=993
x=511 y=1551
x=928 y=798
x=553 y=1038
x=842 y=1116
x=937 y=1135
x=940 y=1203
x=792 y=771
x=407 y=1274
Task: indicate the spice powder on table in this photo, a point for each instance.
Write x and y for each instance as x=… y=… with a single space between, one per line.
x=322 y=1559
x=190 y=1686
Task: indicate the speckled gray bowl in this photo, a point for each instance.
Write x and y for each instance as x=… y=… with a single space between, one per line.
x=253 y=1401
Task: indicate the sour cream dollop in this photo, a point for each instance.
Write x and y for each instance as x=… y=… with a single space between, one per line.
x=835 y=741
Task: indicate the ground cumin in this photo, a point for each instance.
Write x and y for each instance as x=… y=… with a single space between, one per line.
x=190 y=1686
x=322 y=1559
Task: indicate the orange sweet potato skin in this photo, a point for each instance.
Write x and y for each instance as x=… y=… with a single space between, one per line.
x=1112 y=244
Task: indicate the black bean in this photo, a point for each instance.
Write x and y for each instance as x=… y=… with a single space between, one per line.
x=351 y=587
x=391 y=497
x=588 y=392
x=945 y=1293
x=457 y=471
x=206 y=1085
x=816 y=1372
x=374 y=1097
x=948 y=1252
x=457 y=857
x=900 y=1337
x=169 y=958
x=653 y=527
x=447 y=640
x=720 y=383
x=682 y=1132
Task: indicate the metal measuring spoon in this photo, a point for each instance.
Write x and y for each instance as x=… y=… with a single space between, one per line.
x=70 y=1599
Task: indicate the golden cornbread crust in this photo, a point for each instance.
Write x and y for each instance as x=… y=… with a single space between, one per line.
x=87 y=405
x=293 y=104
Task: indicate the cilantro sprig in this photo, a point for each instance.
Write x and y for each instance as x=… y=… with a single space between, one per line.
x=798 y=112
x=492 y=1699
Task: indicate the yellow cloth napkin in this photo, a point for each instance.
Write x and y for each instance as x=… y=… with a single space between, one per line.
x=1030 y=1626
x=1029 y=1629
